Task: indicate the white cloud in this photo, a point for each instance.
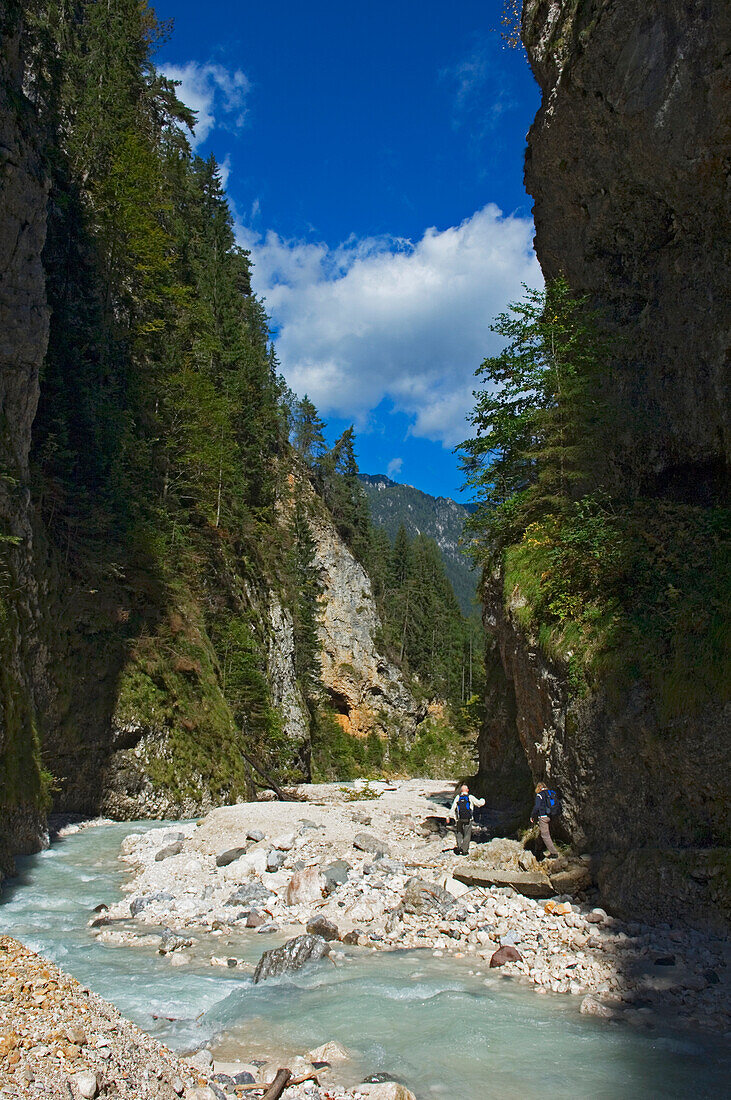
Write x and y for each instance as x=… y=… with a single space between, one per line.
x=216 y=93
x=391 y=318
x=394 y=467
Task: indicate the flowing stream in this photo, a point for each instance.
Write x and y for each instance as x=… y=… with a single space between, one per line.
x=442 y=1030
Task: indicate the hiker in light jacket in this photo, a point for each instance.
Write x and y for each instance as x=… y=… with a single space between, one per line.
x=462 y=810
x=540 y=814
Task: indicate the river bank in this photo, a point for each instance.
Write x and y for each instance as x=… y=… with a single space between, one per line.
x=372 y=867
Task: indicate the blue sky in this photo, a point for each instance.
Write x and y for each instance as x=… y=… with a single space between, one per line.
x=373 y=156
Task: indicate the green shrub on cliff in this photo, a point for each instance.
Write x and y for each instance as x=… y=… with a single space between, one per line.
x=618 y=588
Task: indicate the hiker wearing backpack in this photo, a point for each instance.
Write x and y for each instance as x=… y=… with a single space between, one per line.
x=462 y=810
x=546 y=806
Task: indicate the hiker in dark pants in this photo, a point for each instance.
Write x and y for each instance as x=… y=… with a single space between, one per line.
x=462 y=810
x=543 y=807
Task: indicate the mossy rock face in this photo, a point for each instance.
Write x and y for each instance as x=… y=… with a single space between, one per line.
x=177 y=746
x=664 y=884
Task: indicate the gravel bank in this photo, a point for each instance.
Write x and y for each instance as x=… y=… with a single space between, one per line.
x=381 y=871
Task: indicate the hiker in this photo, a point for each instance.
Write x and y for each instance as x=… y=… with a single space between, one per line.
x=462 y=810
x=545 y=807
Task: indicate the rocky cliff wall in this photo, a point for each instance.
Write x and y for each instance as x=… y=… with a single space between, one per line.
x=365 y=688
x=23 y=338
x=628 y=162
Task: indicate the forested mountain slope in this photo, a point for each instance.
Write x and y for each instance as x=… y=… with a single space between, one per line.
x=171 y=564
x=439 y=518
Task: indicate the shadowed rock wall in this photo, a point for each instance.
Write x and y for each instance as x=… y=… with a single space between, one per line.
x=628 y=162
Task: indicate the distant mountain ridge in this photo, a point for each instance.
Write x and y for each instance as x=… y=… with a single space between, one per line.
x=441 y=518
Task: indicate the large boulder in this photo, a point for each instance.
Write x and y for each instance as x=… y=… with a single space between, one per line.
x=305 y=887
x=224 y=858
x=321 y=926
x=422 y=897
x=335 y=874
x=532 y=884
x=251 y=893
x=364 y=842
x=293 y=955
x=505 y=954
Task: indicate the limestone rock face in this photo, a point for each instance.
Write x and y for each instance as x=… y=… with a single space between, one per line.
x=286 y=693
x=627 y=162
x=24 y=319
x=366 y=690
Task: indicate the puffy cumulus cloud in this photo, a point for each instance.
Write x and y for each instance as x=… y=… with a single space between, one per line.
x=215 y=93
x=391 y=318
x=394 y=467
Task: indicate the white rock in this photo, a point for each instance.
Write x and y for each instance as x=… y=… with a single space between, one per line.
x=285 y=843
x=254 y=862
x=305 y=887
x=86 y=1084
x=386 y=1090
x=328 y=1052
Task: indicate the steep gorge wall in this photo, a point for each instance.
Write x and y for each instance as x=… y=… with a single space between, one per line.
x=627 y=162
x=23 y=338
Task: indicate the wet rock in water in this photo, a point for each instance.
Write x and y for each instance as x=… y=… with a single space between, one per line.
x=101 y=908
x=335 y=874
x=171 y=850
x=305 y=886
x=170 y=941
x=421 y=896
x=254 y=919
x=275 y=859
x=265 y=929
x=255 y=834
x=505 y=954
x=321 y=926
x=202 y=1060
x=244 y=1078
x=665 y=960
x=138 y=904
x=86 y=1084
x=593 y=1006
x=387 y=1090
x=364 y=842
x=249 y=894
x=100 y=922
x=354 y=938
x=328 y=1052
x=291 y=956
x=224 y=858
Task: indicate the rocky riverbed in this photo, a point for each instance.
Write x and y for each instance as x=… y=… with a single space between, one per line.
x=375 y=868
x=60 y=1040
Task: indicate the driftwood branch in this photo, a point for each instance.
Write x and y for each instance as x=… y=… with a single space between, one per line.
x=267 y=779
x=290 y=1082
x=278 y=1085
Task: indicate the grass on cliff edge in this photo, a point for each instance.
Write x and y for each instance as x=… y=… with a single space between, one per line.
x=623 y=595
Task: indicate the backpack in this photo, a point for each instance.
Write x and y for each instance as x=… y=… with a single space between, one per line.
x=552 y=803
x=464 y=808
